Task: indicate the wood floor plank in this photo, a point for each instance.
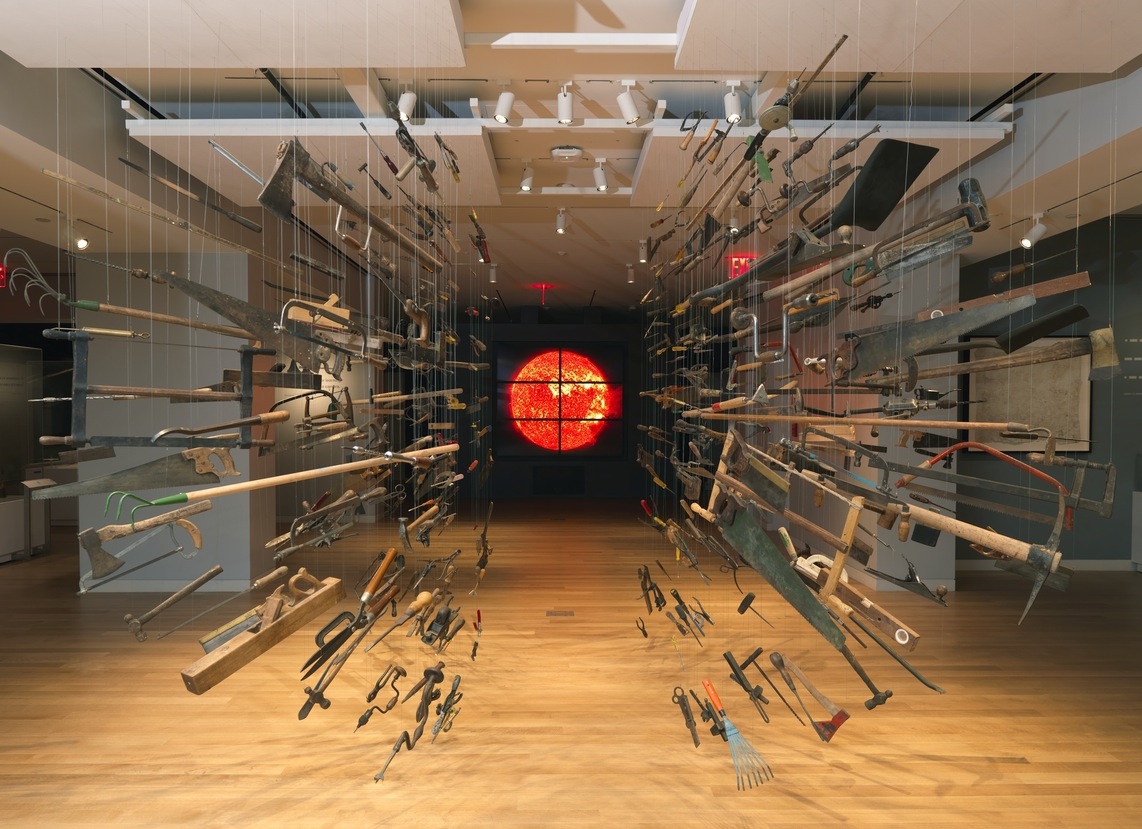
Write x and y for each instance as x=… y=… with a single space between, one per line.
x=567 y=718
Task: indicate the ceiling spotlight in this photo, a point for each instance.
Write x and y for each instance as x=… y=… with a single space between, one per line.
x=76 y=238
x=492 y=273
x=565 y=106
x=733 y=103
x=561 y=221
x=525 y=183
x=504 y=106
x=642 y=257
x=630 y=274
x=1037 y=231
x=733 y=227
x=626 y=103
x=600 y=176
x=406 y=104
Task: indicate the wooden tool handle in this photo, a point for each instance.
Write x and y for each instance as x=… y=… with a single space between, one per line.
x=305 y=475
x=379 y=575
x=269 y=578
x=713 y=695
x=114 y=531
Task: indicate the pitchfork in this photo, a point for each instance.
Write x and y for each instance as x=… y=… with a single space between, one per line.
x=749 y=766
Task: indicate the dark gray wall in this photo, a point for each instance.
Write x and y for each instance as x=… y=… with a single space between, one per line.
x=602 y=477
x=1111 y=251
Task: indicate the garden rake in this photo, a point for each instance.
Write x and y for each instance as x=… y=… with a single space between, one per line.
x=749 y=766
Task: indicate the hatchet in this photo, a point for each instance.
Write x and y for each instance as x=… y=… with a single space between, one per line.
x=826 y=729
x=104 y=563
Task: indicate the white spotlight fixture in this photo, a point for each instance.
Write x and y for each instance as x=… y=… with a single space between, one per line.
x=406 y=104
x=504 y=106
x=733 y=103
x=733 y=227
x=600 y=176
x=75 y=237
x=492 y=273
x=1037 y=231
x=626 y=103
x=565 y=106
x=630 y=274
x=561 y=221
x=642 y=257
x=525 y=183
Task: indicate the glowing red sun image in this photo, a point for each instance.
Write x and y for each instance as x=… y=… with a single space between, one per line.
x=560 y=400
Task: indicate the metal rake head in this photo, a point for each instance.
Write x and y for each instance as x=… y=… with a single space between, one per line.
x=750 y=767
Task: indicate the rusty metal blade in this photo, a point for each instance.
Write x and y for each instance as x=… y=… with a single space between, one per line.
x=865 y=353
x=259 y=322
x=194 y=467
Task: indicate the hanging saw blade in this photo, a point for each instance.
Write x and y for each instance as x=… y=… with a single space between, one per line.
x=288 y=339
x=191 y=467
x=865 y=353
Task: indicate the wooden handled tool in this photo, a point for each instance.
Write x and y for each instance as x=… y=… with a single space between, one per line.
x=292 y=477
x=826 y=729
x=136 y=625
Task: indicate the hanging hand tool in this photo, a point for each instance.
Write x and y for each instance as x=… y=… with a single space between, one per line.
x=686 y=622
x=447 y=710
x=388 y=161
x=479 y=625
x=316 y=693
x=389 y=677
x=191 y=467
x=754 y=692
x=367 y=612
x=450 y=159
x=234 y=217
x=135 y=625
x=257 y=584
x=364 y=168
x=427 y=687
x=749 y=766
x=422 y=600
x=680 y=699
x=826 y=729
x=414 y=456
x=104 y=563
x=483 y=550
x=747 y=604
x=752 y=660
x=277 y=618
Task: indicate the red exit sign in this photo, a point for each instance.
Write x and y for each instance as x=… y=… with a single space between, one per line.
x=3 y=277
x=739 y=264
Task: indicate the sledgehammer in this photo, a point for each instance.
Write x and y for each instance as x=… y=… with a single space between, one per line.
x=825 y=729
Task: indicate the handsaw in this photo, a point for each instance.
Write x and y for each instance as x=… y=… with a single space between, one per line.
x=191 y=467
x=868 y=352
x=288 y=339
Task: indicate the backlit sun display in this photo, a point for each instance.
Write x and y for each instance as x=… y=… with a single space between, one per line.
x=560 y=400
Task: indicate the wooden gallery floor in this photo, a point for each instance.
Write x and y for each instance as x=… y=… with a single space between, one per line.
x=566 y=718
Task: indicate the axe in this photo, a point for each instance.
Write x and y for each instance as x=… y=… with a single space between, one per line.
x=104 y=563
x=826 y=729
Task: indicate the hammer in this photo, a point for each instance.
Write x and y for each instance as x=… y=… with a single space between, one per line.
x=825 y=729
x=104 y=563
x=136 y=625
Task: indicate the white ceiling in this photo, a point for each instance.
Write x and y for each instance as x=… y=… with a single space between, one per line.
x=927 y=66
